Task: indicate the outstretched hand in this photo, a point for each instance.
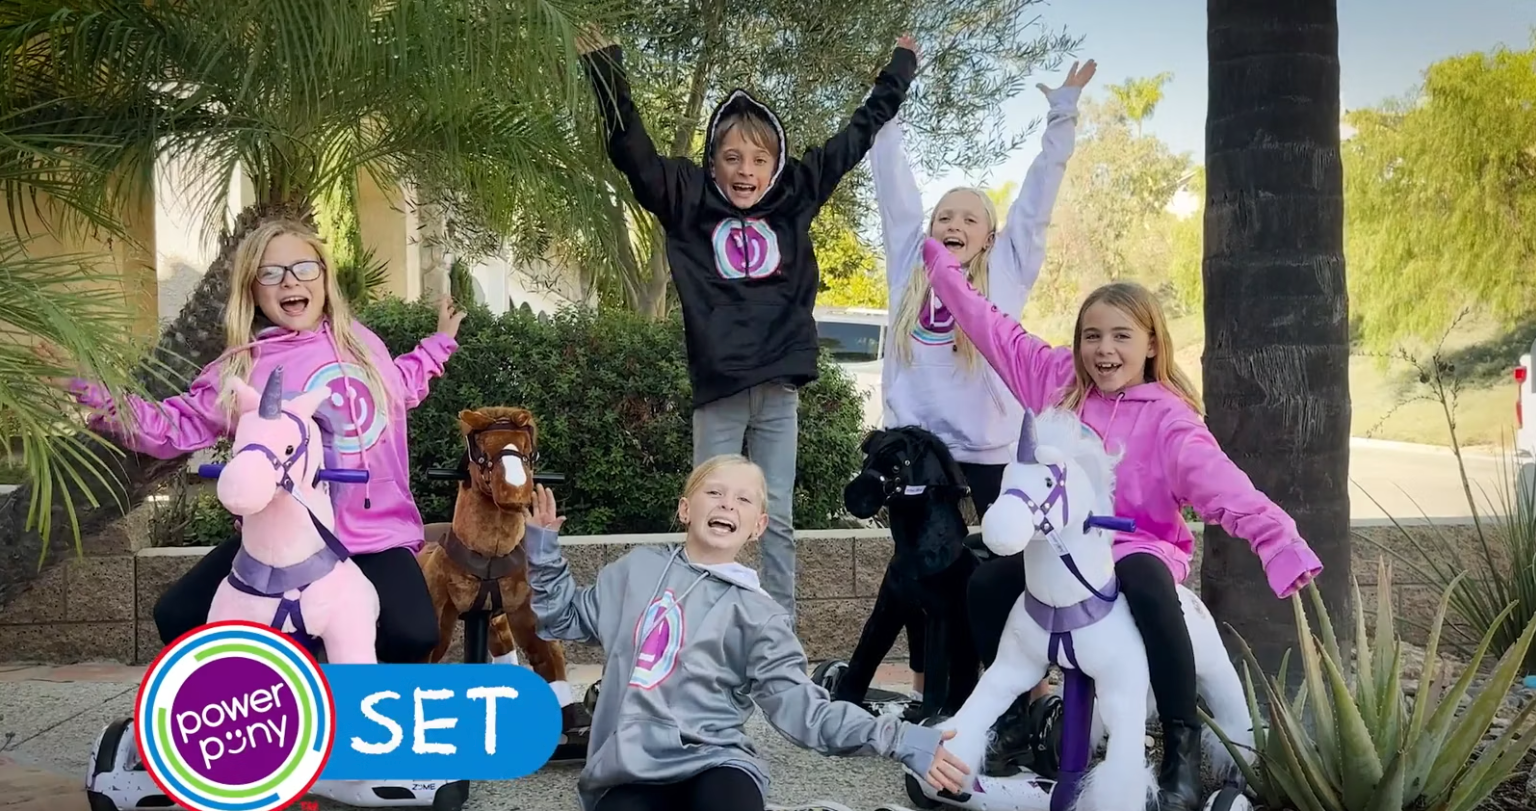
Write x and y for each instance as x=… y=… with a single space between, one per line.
x=1076 y=77
x=908 y=42
x=947 y=772
x=542 y=512
x=448 y=316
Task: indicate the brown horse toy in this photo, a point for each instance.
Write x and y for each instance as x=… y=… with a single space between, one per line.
x=478 y=564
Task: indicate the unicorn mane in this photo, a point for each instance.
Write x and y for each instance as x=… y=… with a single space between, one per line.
x=1061 y=429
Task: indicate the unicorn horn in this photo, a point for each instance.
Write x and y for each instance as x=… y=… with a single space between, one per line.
x=272 y=396
x=1026 y=453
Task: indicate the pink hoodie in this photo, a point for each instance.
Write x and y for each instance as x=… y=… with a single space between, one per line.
x=1170 y=458
x=370 y=517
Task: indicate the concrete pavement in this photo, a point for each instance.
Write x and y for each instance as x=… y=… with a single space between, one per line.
x=50 y=717
x=1413 y=481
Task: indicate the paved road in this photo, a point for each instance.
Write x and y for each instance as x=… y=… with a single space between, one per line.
x=1411 y=482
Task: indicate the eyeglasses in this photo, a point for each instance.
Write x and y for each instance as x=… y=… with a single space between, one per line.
x=305 y=271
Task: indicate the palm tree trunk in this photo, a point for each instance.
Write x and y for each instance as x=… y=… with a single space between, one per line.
x=189 y=343
x=1276 y=364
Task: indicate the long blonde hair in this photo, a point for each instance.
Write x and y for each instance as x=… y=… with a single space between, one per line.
x=915 y=297
x=1142 y=307
x=240 y=311
x=714 y=463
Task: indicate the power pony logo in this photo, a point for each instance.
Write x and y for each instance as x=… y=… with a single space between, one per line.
x=234 y=716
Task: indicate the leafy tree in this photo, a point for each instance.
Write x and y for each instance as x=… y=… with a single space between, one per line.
x=1441 y=193
x=814 y=63
x=1276 y=362
x=1139 y=97
x=1111 y=220
x=468 y=100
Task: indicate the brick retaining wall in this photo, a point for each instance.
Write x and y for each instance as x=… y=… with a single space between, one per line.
x=99 y=607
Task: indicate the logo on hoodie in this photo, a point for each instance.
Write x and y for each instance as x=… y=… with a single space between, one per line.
x=658 y=638
x=745 y=248
x=352 y=410
x=935 y=326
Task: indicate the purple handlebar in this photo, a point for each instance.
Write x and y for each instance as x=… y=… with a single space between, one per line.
x=1113 y=522
x=345 y=475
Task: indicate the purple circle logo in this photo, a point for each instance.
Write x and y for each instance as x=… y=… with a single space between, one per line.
x=356 y=421
x=235 y=721
x=935 y=326
x=745 y=248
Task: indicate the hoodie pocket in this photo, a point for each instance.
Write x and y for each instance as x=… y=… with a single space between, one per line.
x=742 y=337
x=641 y=749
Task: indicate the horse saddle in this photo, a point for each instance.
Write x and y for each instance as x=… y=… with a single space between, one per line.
x=485 y=568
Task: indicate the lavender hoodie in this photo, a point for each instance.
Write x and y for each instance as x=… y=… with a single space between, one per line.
x=1170 y=458
x=370 y=517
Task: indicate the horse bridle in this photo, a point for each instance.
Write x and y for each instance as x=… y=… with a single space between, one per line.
x=293 y=452
x=478 y=457
x=1041 y=515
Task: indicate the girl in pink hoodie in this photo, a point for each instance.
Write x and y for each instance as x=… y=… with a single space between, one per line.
x=1120 y=376
x=285 y=309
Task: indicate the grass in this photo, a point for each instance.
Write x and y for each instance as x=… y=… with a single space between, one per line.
x=1382 y=394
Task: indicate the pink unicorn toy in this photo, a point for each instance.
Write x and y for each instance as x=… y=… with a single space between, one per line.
x=291 y=571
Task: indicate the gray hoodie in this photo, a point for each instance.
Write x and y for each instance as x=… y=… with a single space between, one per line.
x=661 y=718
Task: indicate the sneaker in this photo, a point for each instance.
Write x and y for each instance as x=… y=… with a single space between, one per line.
x=1027 y=736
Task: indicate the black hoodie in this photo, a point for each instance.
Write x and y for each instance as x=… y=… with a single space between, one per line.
x=747 y=314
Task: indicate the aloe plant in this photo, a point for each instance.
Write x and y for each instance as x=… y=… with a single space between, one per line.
x=1350 y=740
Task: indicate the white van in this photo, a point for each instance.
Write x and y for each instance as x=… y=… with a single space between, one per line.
x=856 y=338
x=1525 y=435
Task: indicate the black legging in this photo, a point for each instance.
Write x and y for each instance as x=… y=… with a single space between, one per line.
x=717 y=789
x=986 y=482
x=407 y=624
x=1149 y=591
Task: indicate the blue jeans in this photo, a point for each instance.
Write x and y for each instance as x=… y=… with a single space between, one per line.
x=767 y=418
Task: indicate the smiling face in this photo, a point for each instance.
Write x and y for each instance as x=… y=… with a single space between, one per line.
x=744 y=160
x=1112 y=348
x=726 y=508
x=963 y=222
x=289 y=287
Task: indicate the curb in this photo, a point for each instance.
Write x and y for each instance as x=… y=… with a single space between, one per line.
x=1366 y=443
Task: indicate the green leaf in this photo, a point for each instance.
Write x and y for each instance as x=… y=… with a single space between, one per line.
x=1361 y=767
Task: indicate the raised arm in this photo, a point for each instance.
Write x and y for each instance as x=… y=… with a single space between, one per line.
x=901 y=207
x=1032 y=369
x=1020 y=252
x=659 y=182
x=564 y=611
x=1204 y=476
x=823 y=166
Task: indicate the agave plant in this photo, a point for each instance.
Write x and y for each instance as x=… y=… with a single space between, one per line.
x=1350 y=740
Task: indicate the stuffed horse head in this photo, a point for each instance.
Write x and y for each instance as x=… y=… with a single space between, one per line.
x=501 y=447
x=1060 y=476
x=906 y=462
x=276 y=446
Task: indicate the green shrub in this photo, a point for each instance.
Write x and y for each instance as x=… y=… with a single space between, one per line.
x=611 y=395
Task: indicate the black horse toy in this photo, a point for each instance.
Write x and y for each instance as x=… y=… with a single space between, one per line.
x=911 y=473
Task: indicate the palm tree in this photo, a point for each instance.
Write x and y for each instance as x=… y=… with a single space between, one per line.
x=469 y=101
x=1276 y=362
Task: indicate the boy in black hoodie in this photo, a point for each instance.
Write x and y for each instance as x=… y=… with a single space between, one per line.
x=738 y=243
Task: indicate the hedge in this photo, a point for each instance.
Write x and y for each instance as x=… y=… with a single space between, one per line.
x=611 y=395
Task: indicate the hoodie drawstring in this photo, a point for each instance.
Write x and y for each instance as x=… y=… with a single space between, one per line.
x=346 y=383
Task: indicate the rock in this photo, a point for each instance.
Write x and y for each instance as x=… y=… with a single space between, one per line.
x=1530 y=788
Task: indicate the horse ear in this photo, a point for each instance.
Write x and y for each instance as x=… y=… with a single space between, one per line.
x=471 y=420
x=246 y=398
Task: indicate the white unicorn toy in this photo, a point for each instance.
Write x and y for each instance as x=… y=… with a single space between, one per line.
x=1057 y=506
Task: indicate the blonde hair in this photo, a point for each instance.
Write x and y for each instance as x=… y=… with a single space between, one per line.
x=758 y=132
x=725 y=460
x=1143 y=308
x=918 y=288
x=240 y=311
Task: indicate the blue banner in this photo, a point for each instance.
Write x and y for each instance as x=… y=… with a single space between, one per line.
x=440 y=721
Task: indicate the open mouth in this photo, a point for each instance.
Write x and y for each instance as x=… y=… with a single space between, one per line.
x=295 y=304
x=744 y=189
x=954 y=243
x=722 y=526
x=1105 y=368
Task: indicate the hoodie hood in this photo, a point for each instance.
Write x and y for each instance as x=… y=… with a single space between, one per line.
x=740 y=100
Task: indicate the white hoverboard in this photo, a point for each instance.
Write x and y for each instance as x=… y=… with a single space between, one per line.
x=116 y=780
x=1025 y=791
